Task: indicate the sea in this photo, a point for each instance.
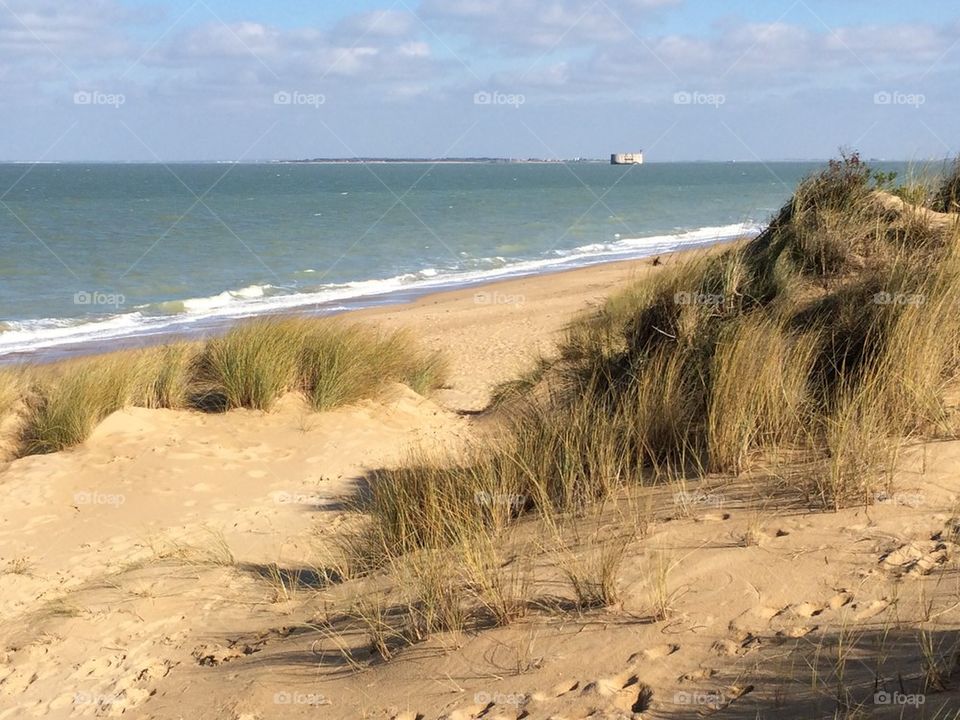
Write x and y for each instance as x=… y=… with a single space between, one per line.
x=96 y=256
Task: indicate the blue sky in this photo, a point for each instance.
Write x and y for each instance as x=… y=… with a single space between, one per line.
x=173 y=80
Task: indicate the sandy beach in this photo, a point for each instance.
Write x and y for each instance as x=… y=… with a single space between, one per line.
x=168 y=567
x=494 y=332
x=107 y=588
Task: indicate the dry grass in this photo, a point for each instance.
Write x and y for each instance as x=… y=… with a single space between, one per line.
x=779 y=361
x=331 y=363
x=438 y=591
x=372 y=613
x=826 y=341
x=165 y=376
x=432 y=581
x=63 y=407
x=947 y=198
x=10 y=391
x=11 y=406
x=212 y=550
x=343 y=364
x=662 y=598
x=251 y=366
x=593 y=574
x=828 y=338
x=500 y=586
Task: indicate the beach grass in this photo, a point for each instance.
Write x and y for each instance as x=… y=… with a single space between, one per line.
x=251 y=366
x=827 y=340
x=10 y=392
x=165 y=376
x=809 y=354
x=947 y=198
x=342 y=364
x=331 y=363
x=63 y=406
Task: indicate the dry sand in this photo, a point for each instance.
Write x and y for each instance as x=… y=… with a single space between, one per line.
x=166 y=568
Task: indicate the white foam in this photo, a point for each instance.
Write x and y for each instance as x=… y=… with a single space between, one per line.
x=25 y=336
x=225 y=298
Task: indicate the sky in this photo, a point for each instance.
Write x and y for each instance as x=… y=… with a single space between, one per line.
x=683 y=80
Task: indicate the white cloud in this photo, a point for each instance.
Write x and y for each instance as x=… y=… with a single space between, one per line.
x=231 y=63
x=72 y=35
x=536 y=25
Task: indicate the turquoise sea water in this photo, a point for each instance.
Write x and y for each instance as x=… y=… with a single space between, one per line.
x=96 y=253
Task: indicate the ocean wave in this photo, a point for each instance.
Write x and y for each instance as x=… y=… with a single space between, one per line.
x=251 y=292
x=184 y=315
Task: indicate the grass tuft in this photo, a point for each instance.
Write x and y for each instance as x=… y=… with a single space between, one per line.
x=947 y=198
x=251 y=366
x=64 y=409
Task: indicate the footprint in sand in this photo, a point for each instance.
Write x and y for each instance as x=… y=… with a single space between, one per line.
x=865 y=611
x=17 y=682
x=739 y=644
x=611 y=686
x=471 y=712
x=633 y=696
x=508 y=709
x=701 y=674
x=559 y=690
x=621 y=695
x=841 y=599
x=213 y=655
x=766 y=613
x=806 y=610
x=723 y=699
x=99 y=666
x=916 y=558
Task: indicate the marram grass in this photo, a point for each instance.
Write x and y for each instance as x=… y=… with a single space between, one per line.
x=826 y=341
x=254 y=364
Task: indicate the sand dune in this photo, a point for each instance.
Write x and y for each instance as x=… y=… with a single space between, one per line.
x=141 y=520
x=172 y=567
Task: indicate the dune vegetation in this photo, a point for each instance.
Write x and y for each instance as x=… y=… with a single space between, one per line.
x=810 y=354
x=251 y=366
x=947 y=198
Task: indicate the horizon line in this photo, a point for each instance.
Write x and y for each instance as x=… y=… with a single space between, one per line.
x=463 y=160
